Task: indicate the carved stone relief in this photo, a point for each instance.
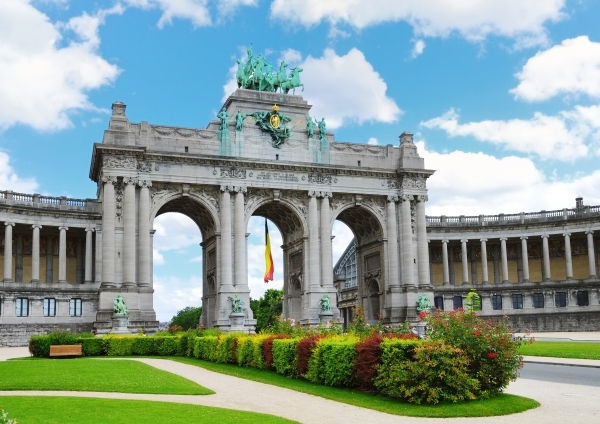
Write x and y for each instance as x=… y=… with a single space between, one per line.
x=320 y=179
x=119 y=199
x=256 y=195
x=298 y=199
x=147 y=167
x=233 y=172
x=209 y=193
x=413 y=182
x=121 y=162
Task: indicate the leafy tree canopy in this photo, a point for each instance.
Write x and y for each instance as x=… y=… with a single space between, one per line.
x=187 y=318
x=267 y=309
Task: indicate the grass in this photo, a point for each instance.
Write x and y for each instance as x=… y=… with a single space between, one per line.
x=67 y=410
x=503 y=404
x=577 y=350
x=82 y=374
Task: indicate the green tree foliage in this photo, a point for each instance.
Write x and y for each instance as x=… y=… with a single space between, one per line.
x=187 y=318
x=267 y=309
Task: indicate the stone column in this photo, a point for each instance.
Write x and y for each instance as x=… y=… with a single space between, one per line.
x=465 y=263
x=62 y=255
x=108 y=232
x=525 y=259
x=326 y=258
x=239 y=226
x=88 y=256
x=504 y=259
x=35 y=254
x=129 y=224
x=591 y=254
x=407 y=245
x=422 y=247
x=445 y=270
x=546 y=254
x=313 y=241
x=144 y=242
x=8 y=252
x=392 y=230
x=568 y=257
x=226 y=260
x=98 y=259
x=49 y=259
x=484 y=263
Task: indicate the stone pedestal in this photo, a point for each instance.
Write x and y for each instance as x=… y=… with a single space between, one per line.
x=325 y=317
x=119 y=324
x=237 y=321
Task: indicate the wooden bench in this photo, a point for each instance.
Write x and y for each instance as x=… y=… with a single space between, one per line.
x=65 y=351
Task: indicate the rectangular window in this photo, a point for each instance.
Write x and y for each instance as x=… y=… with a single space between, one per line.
x=22 y=307
x=583 y=298
x=439 y=302
x=538 y=300
x=75 y=307
x=49 y=307
x=517 y=301
x=457 y=302
x=496 y=302
x=560 y=299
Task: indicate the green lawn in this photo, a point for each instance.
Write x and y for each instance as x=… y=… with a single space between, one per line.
x=66 y=410
x=94 y=375
x=501 y=405
x=578 y=350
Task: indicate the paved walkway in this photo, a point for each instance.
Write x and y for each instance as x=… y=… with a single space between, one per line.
x=560 y=402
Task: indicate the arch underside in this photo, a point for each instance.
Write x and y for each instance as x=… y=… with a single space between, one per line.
x=284 y=218
x=195 y=211
x=364 y=224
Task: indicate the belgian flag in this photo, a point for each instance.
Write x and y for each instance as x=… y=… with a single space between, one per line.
x=269 y=268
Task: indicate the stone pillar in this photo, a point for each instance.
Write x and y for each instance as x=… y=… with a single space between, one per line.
x=392 y=230
x=8 y=252
x=422 y=247
x=62 y=255
x=326 y=258
x=525 y=259
x=445 y=268
x=88 y=256
x=591 y=254
x=408 y=275
x=49 y=259
x=465 y=263
x=313 y=241
x=226 y=260
x=108 y=232
x=504 y=259
x=19 y=259
x=35 y=254
x=568 y=257
x=144 y=242
x=546 y=254
x=129 y=224
x=239 y=226
x=484 y=263
x=98 y=259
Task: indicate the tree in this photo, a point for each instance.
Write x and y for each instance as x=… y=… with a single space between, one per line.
x=187 y=318
x=267 y=308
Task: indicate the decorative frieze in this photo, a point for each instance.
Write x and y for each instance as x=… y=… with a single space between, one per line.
x=233 y=172
x=119 y=162
x=413 y=182
x=147 y=167
x=208 y=193
x=322 y=179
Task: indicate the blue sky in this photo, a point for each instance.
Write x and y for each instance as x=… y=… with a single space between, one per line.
x=503 y=95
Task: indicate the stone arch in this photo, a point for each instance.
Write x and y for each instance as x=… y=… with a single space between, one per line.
x=285 y=215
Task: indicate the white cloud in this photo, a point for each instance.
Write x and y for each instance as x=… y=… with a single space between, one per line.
x=40 y=82
x=291 y=57
x=11 y=181
x=418 y=48
x=342 y=238
x=373 y=141
x=523 y=20
x=172 y=294
x=476 y=183
x=573 y=67
x=566 y=136
x=157 y=257
x=227 y=7
x=175 y=231
x=194 y=10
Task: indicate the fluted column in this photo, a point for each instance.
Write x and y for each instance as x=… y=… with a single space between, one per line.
x=445 y=268
x=62 y=255
x=504 y=259
x=422 y=247
x=313 y=240
x=465 y=263
x=568 y=257
x=591 y=254
x=525 y=259
x=129 y=225
x=35 y=254
x=226 y=259
x=408 y=275
x=392 y=230
x=108 y=232
x=98 y=257
x=144 y=242
x=239 y=226
x=326 y=258
x=484 y=263
x=546 y=255
x=8 y=252
x=88 y=255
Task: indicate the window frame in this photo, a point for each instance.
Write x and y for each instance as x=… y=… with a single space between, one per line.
x=454 y=299
x=438 y=302
x=587 y=298
x=494 y=300
x=49 y=305
x=536 y=297
x=517 y=301
x=562 y=296
x=19 y=302
x=75 y=307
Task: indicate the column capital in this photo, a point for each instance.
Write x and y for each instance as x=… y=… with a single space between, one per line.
x=108 y=179
x=89 y=230
x=392 y=198
x=503 y=238
x=445 y=240
x=36 y=226
x=483 y=240
x=62 y=227
x=524 y=237
x=313 y=193
x=422 y=198
x=589 y=231
x=144 y=183
x=226 y=189
x=464 y=240
x=406 y=197
x=544 y=236
x=130 y=180
x=324 y=194
x=9 y=223
x=238 y=189
x=567 y=234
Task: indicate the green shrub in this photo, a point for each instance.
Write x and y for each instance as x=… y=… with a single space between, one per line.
x=258 y=356
x=314 y=372
x=337 y=356
x=119 y=345
x=225 y=353
x=166 y=346
x=39 y=346
x=245 y=350
x=92 y=346
x=437 y=373
x=144 y=346
x=206 y=348
x=285 y=357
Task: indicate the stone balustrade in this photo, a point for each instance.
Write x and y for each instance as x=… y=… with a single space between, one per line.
x=9 y=197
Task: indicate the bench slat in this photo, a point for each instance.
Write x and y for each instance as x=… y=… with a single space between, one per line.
x=65 y=350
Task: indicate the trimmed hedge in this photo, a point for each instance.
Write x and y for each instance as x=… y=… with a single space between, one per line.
x=285 y=358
